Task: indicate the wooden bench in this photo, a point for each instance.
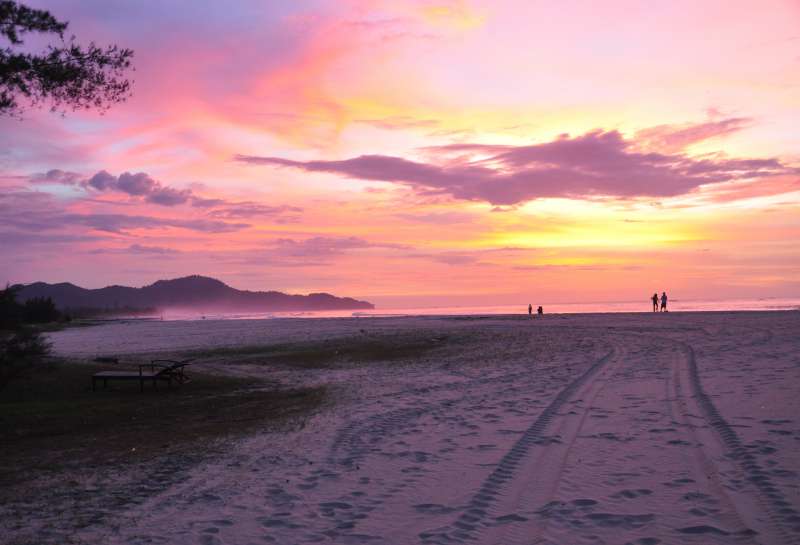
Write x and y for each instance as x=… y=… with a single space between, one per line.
x=157 y=370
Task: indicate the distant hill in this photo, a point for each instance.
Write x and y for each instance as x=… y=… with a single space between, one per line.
x=191 y=292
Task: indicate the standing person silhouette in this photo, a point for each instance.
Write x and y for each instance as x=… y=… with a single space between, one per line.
x=530 y=310
x=663 y=301
x=654 y=298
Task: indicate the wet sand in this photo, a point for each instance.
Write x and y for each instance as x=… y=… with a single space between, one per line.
x=616 y=428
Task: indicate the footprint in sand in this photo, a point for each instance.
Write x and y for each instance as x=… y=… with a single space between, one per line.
x=613 y=520
x=433 y=509
x=679 y=442
x=703 y=529
x=630 y=494
x=699 y=497
x=678 y=482
x=661 y=430
x=278 y=523
x=761 y=447
x=510 y=518
x=781 y=432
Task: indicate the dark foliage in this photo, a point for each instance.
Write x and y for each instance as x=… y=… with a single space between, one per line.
x=20 y=351
x=41 y=310
x=11 y=312
x=67 y=75
x=22 y=348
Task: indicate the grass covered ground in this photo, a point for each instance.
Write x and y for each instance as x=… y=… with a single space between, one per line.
x=52 y=421
x=353 y=350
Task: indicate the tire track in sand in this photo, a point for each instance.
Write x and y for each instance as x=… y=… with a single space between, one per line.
x=480 y=513
x=350 y=443
x=696 y=441
x=772 y=502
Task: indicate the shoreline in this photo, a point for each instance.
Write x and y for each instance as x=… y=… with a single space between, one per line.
x=389 y=315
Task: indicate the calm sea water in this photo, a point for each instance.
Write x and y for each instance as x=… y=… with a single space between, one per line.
x=551 y=308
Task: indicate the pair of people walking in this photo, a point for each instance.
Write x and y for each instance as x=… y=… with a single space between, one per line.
x=654 y=298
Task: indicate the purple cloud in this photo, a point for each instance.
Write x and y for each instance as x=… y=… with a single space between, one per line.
x=102 y=181
x=56 y=176
x=136 y=184
x=167 y=196
x=596 y=164
x=199 y=202
x=138 y=249
x=142 y=185
x=139 y=185
x=325 y=246
x=22 y=238
x=32 y=211
x=316 y=251
x=119 y=223
x=234 y=210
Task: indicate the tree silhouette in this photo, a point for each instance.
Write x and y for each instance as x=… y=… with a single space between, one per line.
x=66 y=75
x=21 y=347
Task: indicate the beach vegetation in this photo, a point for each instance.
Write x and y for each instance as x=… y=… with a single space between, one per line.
x=22 y=347
x=322 y=353
x=59 y=438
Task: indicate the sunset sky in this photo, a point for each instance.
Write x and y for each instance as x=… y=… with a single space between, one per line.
x=423 y=153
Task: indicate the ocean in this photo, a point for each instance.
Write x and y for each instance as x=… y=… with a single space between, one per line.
x=675 y=305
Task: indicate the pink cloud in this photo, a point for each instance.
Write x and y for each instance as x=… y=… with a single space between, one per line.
x=399 y=122
x=437 y=218
x=735 y=191
x=674 y=138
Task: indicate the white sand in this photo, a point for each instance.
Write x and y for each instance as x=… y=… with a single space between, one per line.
x=645 y=429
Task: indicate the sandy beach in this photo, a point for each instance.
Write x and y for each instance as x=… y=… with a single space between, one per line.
x=604 y=428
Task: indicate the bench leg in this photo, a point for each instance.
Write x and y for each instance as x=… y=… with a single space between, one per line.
x=105 y=383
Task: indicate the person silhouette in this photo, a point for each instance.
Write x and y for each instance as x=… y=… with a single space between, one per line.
x=654 y=298
x=540 y=310
x=663 y=301
x=530 y=310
